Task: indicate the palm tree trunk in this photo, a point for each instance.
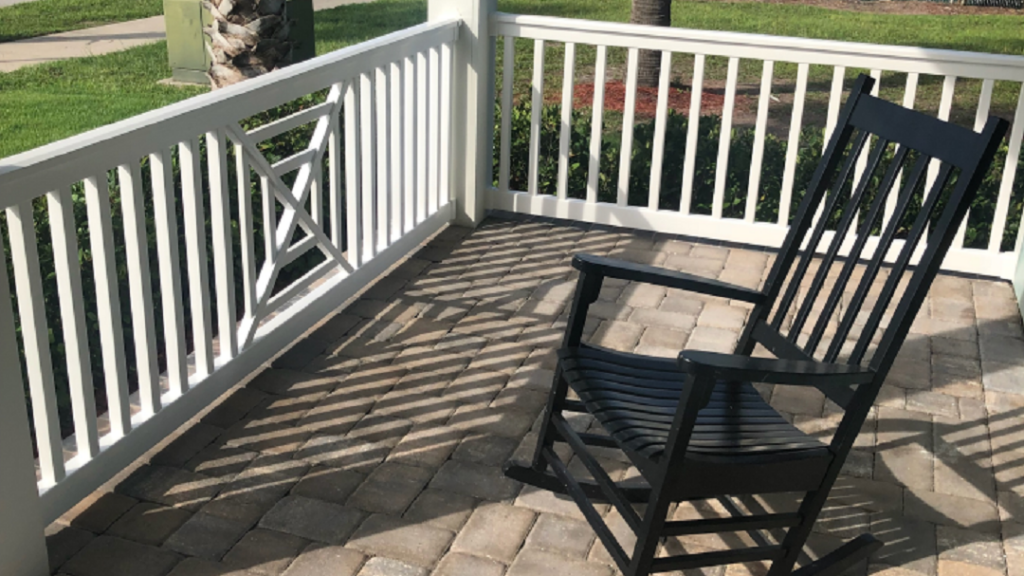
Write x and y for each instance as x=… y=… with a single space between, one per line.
x=247 y=38
x=652 y=13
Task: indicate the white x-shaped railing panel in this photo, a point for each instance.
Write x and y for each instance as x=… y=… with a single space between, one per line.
x=294 y=199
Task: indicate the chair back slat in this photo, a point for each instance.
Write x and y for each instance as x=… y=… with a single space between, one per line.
x=900 y=267
x=889 y=181
x=843 y=217
x=804 y=214
x=975 y=160
x=819 y=231
x=870 y=220
x=849 y=213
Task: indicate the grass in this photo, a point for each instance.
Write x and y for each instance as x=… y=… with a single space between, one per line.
x=45 y=103
x=998 y=34
x=42 y=104
x=41 y=17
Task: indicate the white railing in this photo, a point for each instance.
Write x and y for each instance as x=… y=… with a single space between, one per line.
x=770 y=51
x=367 y=183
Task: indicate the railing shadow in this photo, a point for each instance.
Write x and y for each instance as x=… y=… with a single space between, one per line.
x=457 y=344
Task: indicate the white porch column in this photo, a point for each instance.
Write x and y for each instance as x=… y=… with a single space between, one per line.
x=22 y=543
x=472 y=105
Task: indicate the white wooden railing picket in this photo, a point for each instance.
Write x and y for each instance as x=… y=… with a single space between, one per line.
x=701 y=45
x=387 y=101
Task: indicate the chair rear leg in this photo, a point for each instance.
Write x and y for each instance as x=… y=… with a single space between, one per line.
x=547 y=435
x=588 y=286
x=796 y=537
x=833 y=563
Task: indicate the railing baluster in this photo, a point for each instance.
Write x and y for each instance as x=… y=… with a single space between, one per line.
x=23 y=548
x=166 y=220
x=1009 y=174
x=945 y=105
x=64 y=235
x=445 y=147
x=693 y=122
x=316 y=194
x=628 y=119
x=835 y=101
x=367 y=172
x=316 y=191
x=409 y=155
x=245 y=228
x=757 y=154
x=36 y=337
x=793 y=148
x=910 y=90
x=725 y=138
x=422 y=141
x=352 y=164
x=660 y=122
x=395 y=78
x=269 y=218
x=507 y=75
x=597 y=125
x=334 y=165
x=140 y=285
x=537 y=105
x=568 y=79
x=984 y=103
x=434 y=163
x=980 y=116
x=195 y=252
x=381 y=112
x=223 y=260
x=108 y=305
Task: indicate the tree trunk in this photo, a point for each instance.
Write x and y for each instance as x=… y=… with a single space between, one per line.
x=247 y=38
x=651 y=13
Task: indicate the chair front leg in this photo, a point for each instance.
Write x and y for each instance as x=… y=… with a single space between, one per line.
x=587 y=288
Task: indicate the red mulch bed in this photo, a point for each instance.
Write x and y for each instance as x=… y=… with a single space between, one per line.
x=647 y=99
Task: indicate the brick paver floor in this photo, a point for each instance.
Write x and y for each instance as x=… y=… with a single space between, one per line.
x=374 y=446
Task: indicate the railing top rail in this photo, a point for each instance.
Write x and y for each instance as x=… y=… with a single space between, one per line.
x=763 y=46
x=27 y=175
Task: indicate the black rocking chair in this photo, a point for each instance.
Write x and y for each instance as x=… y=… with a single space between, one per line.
x=696 y=428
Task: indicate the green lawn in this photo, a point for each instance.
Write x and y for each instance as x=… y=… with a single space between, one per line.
x=45 y=103
x=42 y=104
x=42 y=17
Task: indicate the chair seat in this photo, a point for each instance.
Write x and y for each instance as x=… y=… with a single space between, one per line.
x=635 y=399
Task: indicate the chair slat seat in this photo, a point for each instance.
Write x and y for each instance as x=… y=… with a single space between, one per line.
x=637 y=411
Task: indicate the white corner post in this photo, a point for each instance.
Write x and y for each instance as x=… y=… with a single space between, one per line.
x=472 y=103
x=22 y=542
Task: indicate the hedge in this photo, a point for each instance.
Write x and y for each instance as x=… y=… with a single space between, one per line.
x=705 y=167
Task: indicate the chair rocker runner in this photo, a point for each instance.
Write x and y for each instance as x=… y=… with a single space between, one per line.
x=695 y=427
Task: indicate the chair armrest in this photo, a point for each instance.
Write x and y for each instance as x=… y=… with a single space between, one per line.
x=735 y=367
x=611 y=268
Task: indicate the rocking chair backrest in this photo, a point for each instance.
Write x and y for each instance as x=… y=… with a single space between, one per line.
x=885 y=203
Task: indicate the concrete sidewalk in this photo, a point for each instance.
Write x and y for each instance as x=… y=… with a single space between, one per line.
x=99 y=40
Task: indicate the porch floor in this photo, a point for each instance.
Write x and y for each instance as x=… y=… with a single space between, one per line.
x=374 y=446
